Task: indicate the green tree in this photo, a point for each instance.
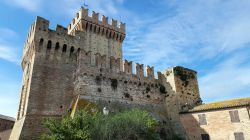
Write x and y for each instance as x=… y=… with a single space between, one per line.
x=134 y=124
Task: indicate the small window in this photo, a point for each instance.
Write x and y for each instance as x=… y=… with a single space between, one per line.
x=202 y=119
x=239 y=136
x=41 y=42
x=234 y=115
x=77 y=15
x=64 y=48
x=72 y=49
x=57 y=46
x=205 y=137
x=86 y=26
x=49 y=45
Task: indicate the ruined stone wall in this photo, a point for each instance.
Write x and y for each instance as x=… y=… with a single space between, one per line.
x=185 y=96
x=185 y=84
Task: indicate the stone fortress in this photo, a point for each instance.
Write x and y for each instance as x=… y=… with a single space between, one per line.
x=69 y=67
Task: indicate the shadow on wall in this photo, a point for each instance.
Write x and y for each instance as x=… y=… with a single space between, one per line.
x=193 y=125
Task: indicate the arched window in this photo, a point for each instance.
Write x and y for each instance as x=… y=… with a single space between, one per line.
x=90 y=27
x=109 y=34
x=41 y=42
x=49 y=45
x=57 y=46
x=64 y=48
x=77 y=15
x=72 y=49
x=86 y=26
x=78 y=50
x=73 y=21
x=102 y=31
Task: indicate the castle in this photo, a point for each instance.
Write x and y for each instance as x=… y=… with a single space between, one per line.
x=67 y=67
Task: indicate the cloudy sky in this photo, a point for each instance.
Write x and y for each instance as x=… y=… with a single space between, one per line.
x=209 y=36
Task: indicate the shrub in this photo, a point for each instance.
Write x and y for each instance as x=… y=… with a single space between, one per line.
x=131 y=124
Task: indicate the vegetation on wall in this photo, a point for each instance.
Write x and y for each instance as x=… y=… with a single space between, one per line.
x=133 y=124
x=184 y=76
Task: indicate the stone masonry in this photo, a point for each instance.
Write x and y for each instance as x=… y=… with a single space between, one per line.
x=85 y=60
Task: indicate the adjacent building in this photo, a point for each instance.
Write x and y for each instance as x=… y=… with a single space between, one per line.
x=6 y=125
x=225 y=120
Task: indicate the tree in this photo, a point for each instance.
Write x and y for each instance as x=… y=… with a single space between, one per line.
x=133 y=124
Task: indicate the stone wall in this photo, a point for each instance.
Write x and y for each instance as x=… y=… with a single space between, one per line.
x=86 y=60
x=219 y=125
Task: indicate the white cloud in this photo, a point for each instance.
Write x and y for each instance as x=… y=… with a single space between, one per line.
x=30 y=5
x=227 y=79
x=7 y=50
x=9 y=54
x=199 y=30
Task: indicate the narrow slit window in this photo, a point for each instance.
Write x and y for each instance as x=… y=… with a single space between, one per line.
x=41 y=42
x=72 y=49
x=57 y=46
x=49 y=45
x=64 y=48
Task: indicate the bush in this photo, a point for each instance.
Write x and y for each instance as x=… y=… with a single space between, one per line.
x=132 y=124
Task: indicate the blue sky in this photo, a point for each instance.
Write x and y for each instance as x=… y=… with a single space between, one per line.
x=209 y=36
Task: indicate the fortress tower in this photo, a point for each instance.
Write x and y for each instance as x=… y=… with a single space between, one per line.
x=98 y=36
x=67 y=68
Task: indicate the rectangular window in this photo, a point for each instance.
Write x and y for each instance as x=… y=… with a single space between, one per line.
x=205 y=137
x=234 y=115
x=239 y=136
x=202 y=119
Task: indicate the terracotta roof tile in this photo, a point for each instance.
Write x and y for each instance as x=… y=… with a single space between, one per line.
x=221 y=105
x=7 y=118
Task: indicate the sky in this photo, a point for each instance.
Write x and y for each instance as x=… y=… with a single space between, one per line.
x=211 y=37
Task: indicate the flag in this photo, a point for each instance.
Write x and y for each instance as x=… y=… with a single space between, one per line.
x=84 y=4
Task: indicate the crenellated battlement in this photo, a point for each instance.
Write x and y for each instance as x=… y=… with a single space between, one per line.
x=113 y=65
x=84 y=22
x=63 y=53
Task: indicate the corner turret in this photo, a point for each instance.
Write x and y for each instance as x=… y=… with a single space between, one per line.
x=184 y=83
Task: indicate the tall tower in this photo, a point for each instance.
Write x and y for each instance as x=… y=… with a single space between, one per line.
x=185 y=94
x=184 y=82
x=49 y=64
x=99 y=36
